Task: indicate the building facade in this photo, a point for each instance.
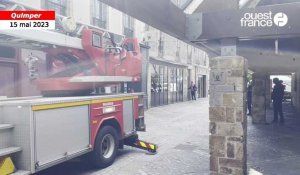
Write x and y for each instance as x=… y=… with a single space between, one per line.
x=170 y=64
x=173 y=65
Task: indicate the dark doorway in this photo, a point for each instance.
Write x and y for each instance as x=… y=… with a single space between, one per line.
x=202 y=86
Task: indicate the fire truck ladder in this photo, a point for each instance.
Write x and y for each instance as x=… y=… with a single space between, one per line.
x=67 y=34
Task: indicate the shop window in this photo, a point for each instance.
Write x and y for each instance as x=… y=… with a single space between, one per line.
x=180 y=84
x=173 y=85
x=159 y=85
x=165 y=86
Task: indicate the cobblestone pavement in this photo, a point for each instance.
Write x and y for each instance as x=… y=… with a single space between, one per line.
x=181 y=132
x=273 y=149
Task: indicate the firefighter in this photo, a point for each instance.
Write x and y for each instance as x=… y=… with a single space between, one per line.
x=277 y=97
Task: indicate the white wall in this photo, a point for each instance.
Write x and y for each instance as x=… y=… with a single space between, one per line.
x=115 y=21
x=139 y=30
x=153 y=41
x=183 y=52
x=170 y=47
x=31 y=3
x=81 y=10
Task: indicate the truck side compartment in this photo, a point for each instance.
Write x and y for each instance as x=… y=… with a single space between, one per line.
x=42 y=132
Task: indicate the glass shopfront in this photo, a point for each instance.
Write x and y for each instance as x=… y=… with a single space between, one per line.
x=166 y=85
x=201 y=86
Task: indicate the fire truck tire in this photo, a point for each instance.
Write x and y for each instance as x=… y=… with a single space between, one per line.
x=106 y=147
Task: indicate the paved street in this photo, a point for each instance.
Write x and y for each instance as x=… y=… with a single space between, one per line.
x=273 y=149
x=180 y=130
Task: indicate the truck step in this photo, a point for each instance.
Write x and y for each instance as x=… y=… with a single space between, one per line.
x=6 y=126
x=8 y=151
x=21 y=172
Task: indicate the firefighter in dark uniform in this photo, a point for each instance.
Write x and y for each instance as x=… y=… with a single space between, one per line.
x=277 y=97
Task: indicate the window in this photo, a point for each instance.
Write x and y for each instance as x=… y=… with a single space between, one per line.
x=128 y=23
x=96 y=40
x=161 y=45
x=147 y=27
x=7 y=52
x=175 y=85
x=60 y=6
x=100 y=16
x=159 y=85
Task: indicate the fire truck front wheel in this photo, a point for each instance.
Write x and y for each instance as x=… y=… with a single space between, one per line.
x=106 y=147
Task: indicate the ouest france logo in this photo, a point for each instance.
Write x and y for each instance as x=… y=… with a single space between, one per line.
x=264 y=19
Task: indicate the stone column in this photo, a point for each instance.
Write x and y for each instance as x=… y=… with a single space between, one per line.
x=297 y=95
x=259 y=98
x=294 y=90
x=227 y=114
x=268 y=92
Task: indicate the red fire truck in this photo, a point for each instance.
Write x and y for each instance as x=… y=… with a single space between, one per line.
x=72 y=119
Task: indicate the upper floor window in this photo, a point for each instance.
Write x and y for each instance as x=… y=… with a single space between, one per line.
x=100 y=16
x=7 y=52
x=60 y=6
x=147 y=27
x=128 y=23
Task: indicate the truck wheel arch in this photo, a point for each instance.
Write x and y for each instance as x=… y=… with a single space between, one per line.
x=111 y=122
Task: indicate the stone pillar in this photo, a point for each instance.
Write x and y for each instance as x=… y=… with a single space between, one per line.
x=259 y=98
x=268 y=92
x=294 y=90
x=297 y=89
x=227 y=114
